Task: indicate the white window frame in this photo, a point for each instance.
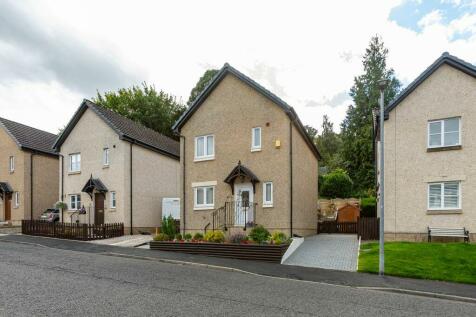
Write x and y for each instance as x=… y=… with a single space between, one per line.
x=254 y=147
x=442 y=133
x=203 y=206
x=105 y=156
x=76 y=200
x=16 y=196
x=206 y=156
x=267 y=203
x=11 y=164
x=71 y=163
x=112 y=198
x=442 y=198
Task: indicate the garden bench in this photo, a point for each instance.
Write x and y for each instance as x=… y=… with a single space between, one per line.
x=448 y=232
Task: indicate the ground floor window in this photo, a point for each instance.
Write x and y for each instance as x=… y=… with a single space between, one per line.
x=113 y=199
x=16 y=196
x=204 y=197
x=268 y=194
x=444 y=195
x=74 y=202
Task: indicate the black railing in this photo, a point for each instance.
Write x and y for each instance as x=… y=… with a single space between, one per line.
x=234 y=214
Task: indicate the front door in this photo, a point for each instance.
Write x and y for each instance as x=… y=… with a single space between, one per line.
x=243 y=203
x=98 y=209
x=8 y=207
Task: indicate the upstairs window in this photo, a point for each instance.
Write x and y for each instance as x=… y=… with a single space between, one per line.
x=256 y=139
x=445 y=132
x=105 y=157
x=204 y=147
x=11 y=165
x=75 y=162
x=444 y=196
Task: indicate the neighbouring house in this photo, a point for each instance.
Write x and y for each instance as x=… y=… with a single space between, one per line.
x=115 y=168
x=246 y=159
x=430 y=146
x=28 y=172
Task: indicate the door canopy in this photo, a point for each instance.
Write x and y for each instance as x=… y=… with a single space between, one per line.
x=242 y=172
x=5 y=189
x=94 y=184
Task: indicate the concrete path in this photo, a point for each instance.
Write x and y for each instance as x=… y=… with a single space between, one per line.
x=125 y=241
x=327 y=251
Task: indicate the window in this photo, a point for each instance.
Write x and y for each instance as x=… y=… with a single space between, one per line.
x=75 y=162
x=17 y=199
x=268 y=194
x=113 y=199
x=444 y=196
x=444 y=132
x=204 y=147
x=256 y=139
x=105 y=157
x=11 y=166
x=204 y=197
x=74 y=202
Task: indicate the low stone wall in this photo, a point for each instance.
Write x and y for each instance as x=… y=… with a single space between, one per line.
x=423 y=237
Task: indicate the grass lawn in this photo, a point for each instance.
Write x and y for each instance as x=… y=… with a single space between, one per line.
x=455 y=262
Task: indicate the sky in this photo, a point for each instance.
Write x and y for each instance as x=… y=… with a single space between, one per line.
x=53 y=54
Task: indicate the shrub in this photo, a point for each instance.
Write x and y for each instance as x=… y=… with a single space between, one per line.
x=168 y=226
x=188 y=236
x=238 y=237
x=337 y=184
x=214 y=236
x=259 y=234
x=178 y=236
x=279 y=238
x=198 y=236
x=162 y=237
x=368 y=207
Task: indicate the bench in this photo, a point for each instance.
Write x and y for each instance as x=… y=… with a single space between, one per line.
x=448 y=232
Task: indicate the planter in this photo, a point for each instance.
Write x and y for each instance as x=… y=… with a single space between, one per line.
x=257 y=252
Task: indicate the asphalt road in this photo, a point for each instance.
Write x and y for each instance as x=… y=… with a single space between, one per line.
x=40 y=281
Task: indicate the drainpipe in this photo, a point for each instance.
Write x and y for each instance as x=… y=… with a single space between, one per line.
x=130 y=177
x=183 y=181
x=31 y=184
x=291 y=176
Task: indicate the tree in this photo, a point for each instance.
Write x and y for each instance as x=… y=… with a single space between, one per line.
x=312 y=132
x=336 y=184
x=201 y=84
x=156 y=110
x=329 y=145
x=357 y=136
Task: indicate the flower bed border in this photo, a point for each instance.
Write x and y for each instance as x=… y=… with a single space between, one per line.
x=257 y=252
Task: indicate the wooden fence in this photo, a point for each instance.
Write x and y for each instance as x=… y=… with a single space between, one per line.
x=73 y=231
x=366 y=227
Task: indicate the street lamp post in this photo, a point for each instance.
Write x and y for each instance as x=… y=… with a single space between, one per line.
x=381 y=269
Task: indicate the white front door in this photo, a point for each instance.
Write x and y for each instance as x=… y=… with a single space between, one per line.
x=243 y=203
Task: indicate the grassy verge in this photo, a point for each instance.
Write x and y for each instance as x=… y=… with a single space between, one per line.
x=455 y=262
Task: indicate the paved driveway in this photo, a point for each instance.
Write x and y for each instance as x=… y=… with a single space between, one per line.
x=327 y=251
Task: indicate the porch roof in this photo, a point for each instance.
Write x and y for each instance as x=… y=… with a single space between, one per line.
x=94 y=184
x=241 y=171
x=5 y=188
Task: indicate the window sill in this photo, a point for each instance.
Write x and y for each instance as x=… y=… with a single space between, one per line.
x=267 y=206
x=105 y=166
x=72 y=210
x=444 y=148
x=74 y=173
x=256 y=150
x=444 y=212
x=112 y=209
x=201 y=159
x=204 y=208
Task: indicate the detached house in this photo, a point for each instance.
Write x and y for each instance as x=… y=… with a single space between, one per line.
x=246 y=159
x=430 y=150
x=115 y=168
x=28 y=172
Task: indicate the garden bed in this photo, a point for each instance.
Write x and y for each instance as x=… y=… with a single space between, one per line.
x=257 y=252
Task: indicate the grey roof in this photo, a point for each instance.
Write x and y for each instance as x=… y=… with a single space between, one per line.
x=5 y=188
x=227 y=69
x=445 y=58
x=126 y=129
x=28 y=138
x=239 y=171
x=94 y=184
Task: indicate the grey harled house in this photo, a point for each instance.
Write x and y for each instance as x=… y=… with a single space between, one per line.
x=28 y=172
x=117 y=169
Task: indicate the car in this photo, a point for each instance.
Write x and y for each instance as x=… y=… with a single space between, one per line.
x=50 y=215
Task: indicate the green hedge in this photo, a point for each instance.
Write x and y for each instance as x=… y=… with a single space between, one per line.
x=368 y=207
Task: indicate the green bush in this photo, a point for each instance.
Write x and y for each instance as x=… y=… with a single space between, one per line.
x=279 y=237
x=198 y=236
x=238 y=237
x=214 y=236
x=188 y=236
x=162 y=237
x=178 y=236
x=368 y=207
x=168 y=226
x=259 y=234
x=337 y=184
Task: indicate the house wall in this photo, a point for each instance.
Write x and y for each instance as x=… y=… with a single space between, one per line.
x=409 y=168
x=230 y=112
x=45 y=182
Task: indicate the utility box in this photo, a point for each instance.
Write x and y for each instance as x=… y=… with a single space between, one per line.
x=171 y=207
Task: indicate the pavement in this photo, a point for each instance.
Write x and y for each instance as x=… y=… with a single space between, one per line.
x=130 y=241
x=327 y=251
x=50 y=279
x=333 y=277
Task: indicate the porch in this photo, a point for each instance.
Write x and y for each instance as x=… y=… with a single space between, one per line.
x=233 y=214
